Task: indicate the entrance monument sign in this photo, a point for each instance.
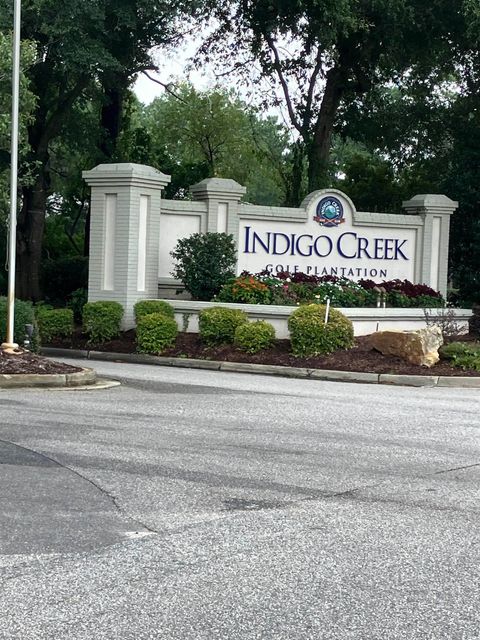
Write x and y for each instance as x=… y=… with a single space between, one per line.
x=133 y=231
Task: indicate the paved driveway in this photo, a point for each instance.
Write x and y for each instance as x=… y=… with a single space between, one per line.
x=204 y=505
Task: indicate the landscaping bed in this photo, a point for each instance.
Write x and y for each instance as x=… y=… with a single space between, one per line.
x=360 y=358
x=26 y=362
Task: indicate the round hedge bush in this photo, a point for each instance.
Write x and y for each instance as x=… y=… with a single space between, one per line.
x=217 y=325
x=155 y=333
x=54 y=323
x=101 y=320
x=310 y=336
x=146 y=307
x=252 y=337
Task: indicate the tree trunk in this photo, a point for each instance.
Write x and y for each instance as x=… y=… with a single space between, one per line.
x=319 y=147
x=112 y=114
x=293 y=192
x=110 y=120
x=30 y=224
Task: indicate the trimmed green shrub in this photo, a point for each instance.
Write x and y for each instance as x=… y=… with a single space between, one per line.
x=310 y=336
x=204 y=262
x=465 y=355
x=101 y=320
x=146 y=307
x=24 y=314
x=468 y=361
x=54 y=323
x=455 y=349
x=254 y=336
x=155 y=333
x=217 y=325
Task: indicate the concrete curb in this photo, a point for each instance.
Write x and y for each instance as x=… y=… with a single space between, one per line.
x=272 y=370
x=48 y=380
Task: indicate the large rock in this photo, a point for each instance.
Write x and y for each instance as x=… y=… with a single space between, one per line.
x=417 y=347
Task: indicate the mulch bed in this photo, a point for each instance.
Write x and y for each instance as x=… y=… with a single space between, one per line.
x=360 y=358
x=26 y=362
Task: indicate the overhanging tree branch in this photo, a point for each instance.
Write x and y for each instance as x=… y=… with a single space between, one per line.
x=277 y=64
x=166 y=86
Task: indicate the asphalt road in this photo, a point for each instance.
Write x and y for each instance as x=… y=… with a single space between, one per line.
x=203 y=505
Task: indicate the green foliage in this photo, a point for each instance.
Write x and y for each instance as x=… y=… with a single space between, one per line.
x=397 y=299
x=196 y=134
x=24 y=314
x=217 y=325
x=63 y=276
x=246 y=290
x=76 y=301
x=54 y=323
x=254 y=336
x=465 y=355
x=86 y=56
x=3 y=281
x=27 y=107
x=310 y=336
x=155 y=332
x=146 y=307
x=337 y=52
x=204 y=262
x=343 y=293
x=429 y=134
x=300 y=288
x=455 y=349
x=101 y=320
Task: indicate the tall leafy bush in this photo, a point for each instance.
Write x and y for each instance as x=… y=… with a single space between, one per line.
x=204 y=262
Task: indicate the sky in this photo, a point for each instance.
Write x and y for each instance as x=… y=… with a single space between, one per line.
x=172 y=68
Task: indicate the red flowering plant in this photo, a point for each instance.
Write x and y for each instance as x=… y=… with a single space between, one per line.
x=403 y=293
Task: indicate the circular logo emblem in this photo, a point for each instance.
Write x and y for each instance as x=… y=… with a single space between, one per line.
x=329 y=212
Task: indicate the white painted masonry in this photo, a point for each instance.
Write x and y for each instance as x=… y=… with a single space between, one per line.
x=123 y=263
x=133 y=232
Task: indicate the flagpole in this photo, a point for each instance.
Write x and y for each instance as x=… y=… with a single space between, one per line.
x=9 y=344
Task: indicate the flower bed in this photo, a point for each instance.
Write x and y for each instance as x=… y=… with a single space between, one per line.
x=300 y=288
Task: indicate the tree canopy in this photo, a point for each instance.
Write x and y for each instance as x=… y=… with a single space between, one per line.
x=381 y=97
x=198 y=134
x=87 y=54
x=318 y=55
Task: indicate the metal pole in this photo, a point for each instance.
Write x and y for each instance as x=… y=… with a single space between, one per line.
x=12 y=239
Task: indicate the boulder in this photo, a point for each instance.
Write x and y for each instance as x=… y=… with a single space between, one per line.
x=416 y=347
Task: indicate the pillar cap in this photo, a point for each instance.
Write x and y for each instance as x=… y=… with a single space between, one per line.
x=434 y=202
x=121 y=173
x=218 y=188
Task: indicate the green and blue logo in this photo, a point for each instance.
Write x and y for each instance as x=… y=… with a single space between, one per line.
x=329 y=212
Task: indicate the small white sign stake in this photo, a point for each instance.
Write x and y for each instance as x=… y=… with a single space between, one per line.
x=327 y=311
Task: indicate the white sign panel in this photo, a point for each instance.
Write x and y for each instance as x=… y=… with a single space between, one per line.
x=327 y=243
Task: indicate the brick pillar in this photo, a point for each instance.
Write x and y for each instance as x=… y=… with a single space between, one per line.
x=124 y=234
x=222 y=197
x=433 y=244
